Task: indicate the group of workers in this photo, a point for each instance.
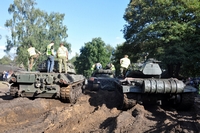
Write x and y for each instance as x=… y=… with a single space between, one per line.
x=124 y=64
x=62 y=55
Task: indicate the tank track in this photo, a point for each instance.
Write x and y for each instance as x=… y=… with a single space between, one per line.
x=187 y=101
x=14 y=91
x=130 y=100
x=71 y=92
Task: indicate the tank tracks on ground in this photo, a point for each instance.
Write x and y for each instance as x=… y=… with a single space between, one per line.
x=185 y=103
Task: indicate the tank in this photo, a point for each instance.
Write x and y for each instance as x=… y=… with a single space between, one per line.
x=101 y=79
x=64 y=86
x=145 y=84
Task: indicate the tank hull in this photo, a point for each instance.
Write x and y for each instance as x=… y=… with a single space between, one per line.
x=66 y=87
x=157 y=91
x=102 y=79
x=145 y=84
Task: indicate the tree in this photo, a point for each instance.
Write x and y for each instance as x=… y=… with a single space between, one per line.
x=6 y=61
x=33 y=26
x=93 y=52
x=168 y=30
x=73 y=59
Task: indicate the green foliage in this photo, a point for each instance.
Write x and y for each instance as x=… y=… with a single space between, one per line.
x=93 y=52
x=73 y=59
x=33 y=26
x=6 y=60
x=168 y=30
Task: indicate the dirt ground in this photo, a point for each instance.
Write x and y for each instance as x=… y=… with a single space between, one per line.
x=94 y=112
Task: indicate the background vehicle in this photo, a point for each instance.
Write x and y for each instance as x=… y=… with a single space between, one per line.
x=102 y=79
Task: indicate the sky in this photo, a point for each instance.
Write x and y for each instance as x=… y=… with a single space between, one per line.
x=84 y=19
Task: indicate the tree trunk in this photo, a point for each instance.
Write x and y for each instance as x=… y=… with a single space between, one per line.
x=170 y=70
x=177 y=70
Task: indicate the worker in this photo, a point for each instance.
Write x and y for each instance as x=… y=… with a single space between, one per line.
x=96 y=66
x=32 y=56
x=50 y=57
x=62 y=54
x=124 y=64
x=111 y=67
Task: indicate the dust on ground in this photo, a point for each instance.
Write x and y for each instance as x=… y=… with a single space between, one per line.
x=94 y=112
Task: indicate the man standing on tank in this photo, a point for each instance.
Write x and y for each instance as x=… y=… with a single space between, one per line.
x=33 y=55
x=124 y=64
x=50 y=57
x=62 y=54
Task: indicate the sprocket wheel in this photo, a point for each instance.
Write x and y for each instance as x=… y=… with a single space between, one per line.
x=187 y=101
x=14 y=91
x=70 y=93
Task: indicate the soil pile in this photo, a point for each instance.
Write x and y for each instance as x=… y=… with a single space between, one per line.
x=95 y=112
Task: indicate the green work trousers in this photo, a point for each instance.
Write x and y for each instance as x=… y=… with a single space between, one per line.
x=123 y=71
x=62 y=61
x=31 y=60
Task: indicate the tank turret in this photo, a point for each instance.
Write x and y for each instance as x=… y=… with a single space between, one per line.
x=149 y=68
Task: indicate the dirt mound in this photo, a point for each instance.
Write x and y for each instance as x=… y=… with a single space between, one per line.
x=95 y=112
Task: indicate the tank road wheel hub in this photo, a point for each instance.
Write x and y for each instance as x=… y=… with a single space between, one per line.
x=186 y=102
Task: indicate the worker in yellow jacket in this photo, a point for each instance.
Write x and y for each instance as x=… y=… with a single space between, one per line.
x=33 y=54
x=124 y=64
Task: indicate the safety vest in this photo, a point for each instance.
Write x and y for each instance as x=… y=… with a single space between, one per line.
x=31 y=51
x=125 y=62
x=49 y=52
x=62 y=51
x=112 y=67
x=93 y=66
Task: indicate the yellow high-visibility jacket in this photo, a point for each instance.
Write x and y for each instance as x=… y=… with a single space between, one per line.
x=125 y=62
x=62 y=51
x=31 y=51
